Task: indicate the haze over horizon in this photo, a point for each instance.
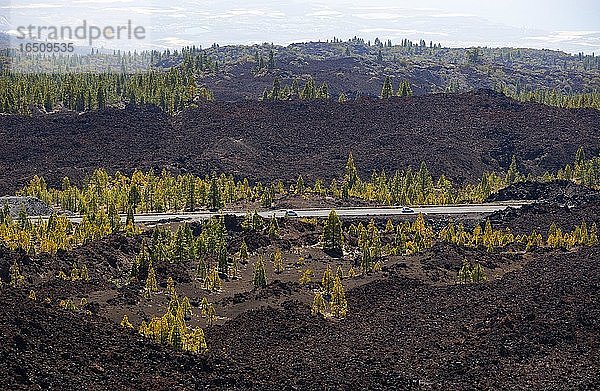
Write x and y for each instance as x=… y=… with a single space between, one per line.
x=572 y=27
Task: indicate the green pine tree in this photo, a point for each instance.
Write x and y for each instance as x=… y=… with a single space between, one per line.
x=387 y=90
x=333 y=239
x=260 y=274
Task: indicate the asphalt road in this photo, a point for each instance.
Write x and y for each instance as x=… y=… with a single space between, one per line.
x=342 y=212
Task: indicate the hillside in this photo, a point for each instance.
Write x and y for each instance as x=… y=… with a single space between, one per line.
x=356 y=67
x=532 y=326
x=460 y=135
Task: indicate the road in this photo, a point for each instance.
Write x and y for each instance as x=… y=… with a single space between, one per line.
x=151 y=218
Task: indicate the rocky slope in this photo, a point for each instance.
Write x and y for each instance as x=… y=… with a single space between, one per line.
x=460 y=135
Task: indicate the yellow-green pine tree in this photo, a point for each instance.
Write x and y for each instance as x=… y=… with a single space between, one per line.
x=211 y=314
x=125 y=322
x=327 y=281
x=277 y=261
x=338 y=304
x=319 y=306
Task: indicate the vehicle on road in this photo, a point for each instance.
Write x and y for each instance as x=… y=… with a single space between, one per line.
x=290 y=213
x=406 y=209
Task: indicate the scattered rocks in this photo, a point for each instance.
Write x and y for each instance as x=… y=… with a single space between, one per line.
x=562 y=192
x=32 y=205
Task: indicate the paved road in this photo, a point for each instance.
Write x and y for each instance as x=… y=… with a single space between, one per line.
x=342 y=212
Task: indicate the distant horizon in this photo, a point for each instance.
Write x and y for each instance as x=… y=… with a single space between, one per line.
x=571 y=28
x=286 y=44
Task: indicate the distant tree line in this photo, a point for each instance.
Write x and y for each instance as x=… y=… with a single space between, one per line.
x=552 y=97
x=309 y=91
x=171 y=90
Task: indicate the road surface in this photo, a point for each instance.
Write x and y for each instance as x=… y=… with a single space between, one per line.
x=150 y=218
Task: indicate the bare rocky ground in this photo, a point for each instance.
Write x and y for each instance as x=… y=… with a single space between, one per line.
x=458 y=135
x=32 y=205
x=561 y=192
x=534 y=325
x=561 y=202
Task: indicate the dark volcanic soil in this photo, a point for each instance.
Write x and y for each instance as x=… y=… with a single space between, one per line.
x=561 y=191
x=540 y=216
x=460 y=135
x=535 y=328
x=561 y=202
x=52 y=349
x=535 y=325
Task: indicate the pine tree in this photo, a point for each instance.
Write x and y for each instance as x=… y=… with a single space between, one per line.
x=125 y=322
x=260 y=274
x=84 y=273
x=134 y=197
x=464 y=274
x=213 y=281
x=175 y=338
x=182 y=246
x=327 y=281
x=211 y=314
x=24 y=222
x=204 y=306
x=129 y=222
x=389 y=226
x=277 y=261
x=593 y=235
x=271 y=63
x=74 y=273
x=323 y=92
x=366 y=263
x=512 y=175
x=309 y=91
x=300 y=185
x=387 y=90
x=305 y=277
x=201 y=270
x=198 y=341
x=268 y=197
x=478 y=274
x=404 y=89
x=276 y=90
x=114 y=219
x=5 y=214
x=339 y=273
x=101 y=98
x=342 y=98
x=171 y=287
x=332 y=234
x=186 y=308
x=234 y=268
x=151 y=285
x=223 y=260
x=319 y=306
x=295 y=90
x=351 y=272
x=214 y=202
x=488 y=235
x=273 y=230
x=338 y=304
x=350 y=172
x=244 y=251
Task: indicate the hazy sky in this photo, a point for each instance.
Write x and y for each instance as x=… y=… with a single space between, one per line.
x=572 y=25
